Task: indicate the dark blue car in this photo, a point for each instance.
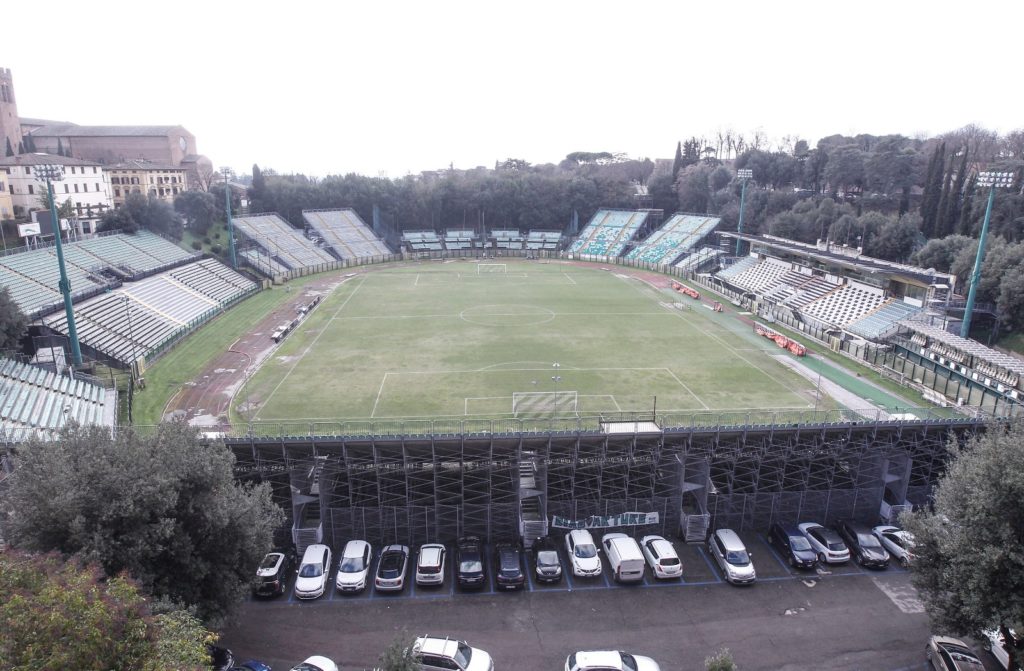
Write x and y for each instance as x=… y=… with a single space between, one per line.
x=793 y=545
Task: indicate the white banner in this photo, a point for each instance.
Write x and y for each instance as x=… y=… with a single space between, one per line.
x=605 y=521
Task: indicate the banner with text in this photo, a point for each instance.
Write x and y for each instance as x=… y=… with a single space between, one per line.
x=605 y=521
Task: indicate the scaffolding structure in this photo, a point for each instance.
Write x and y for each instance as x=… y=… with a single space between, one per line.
x=435 y=488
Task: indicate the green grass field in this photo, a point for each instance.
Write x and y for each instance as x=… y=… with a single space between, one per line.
x=443 y=339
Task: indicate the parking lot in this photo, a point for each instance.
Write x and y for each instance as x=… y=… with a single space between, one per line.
x=699 y=569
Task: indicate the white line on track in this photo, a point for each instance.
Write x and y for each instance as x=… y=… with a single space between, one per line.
x=310 y=346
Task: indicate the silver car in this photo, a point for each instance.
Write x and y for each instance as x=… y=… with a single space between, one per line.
x=897 y=542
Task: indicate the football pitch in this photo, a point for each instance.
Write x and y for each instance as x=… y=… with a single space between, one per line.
x=459 y=338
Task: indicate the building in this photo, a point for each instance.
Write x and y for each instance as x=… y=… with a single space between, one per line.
x=170 y=145
x=159 y=180
x=6 y=204
x=84 y=184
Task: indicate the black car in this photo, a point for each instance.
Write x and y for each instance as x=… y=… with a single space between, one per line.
x=272 y=574
x=221 y=659
x=549 y=565
x=470 y=558
x=509 y=563
x=793 y=545
x=864 y=545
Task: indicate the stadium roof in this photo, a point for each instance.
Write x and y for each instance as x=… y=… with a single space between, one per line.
x=864 y=264
x=966 y=345
x=74 y=130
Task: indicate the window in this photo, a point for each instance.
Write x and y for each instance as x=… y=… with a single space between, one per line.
x=76 y=188
x=28 y=170
x=94 y=170
x=31 y=190
x=78 y=208
x=117 y=193
x=115 y=180
x=67 y=189
x=97 y=186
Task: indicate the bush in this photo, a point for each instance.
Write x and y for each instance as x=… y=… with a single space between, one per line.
x=217 y=249
x=216 y=236
x=207 y=240
x=196 y=245
x=720 y=661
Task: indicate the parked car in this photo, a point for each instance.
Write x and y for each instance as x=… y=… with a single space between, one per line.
x=272 y=574
x=793 y=545
x=316 y=663
x=863 y=545
x=221 y=659
x=508 y=564
x=313 y=571
x=430 y=564
x=549 y=565
x=391 y=567
x=624 y=557
x=731 y=554
x=826 y=543
x=582 y=553
x=470 y=556
x=354 y=566
x=609 y=660
x=435 y=653
x=252 y=665
x=898 y=543
x=951 y=654
x=992 y=641
x=661 y=557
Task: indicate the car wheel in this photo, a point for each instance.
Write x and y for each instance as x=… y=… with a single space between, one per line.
x=792 y=562
x=821 y=558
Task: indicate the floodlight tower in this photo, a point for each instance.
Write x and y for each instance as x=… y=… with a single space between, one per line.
x=742 y=175
x=55 y=173
x=227 y=208
x=991 y=180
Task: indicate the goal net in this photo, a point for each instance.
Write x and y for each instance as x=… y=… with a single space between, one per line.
x=482 y=268
x=544 y=402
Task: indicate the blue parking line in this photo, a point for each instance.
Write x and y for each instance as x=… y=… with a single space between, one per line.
x=605 y=577
x=412 y=587
x=707 y=561
x=529 y=575
x=777 y=557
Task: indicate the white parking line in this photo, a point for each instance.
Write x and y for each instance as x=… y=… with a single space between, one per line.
x=904 y=596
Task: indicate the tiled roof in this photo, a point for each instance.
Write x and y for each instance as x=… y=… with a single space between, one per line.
x=43 y=159
x=74 y=130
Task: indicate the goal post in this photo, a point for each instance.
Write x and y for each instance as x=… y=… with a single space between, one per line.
x=544 y=402
x=482 y=268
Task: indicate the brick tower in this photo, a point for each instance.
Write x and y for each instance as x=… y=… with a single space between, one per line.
x=10 y=124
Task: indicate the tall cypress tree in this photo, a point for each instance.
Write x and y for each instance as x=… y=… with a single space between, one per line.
x=677 y=162
x=964 y=224
x=956 y=194
x=932 y=191
x=67 y=149
x=21 y=147
x=10 y=149
x=944 y=199
x=60 y=147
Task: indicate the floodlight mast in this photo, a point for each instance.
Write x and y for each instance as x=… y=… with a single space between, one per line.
x=55 y=173
x=992 y=180
x=743 y=175
x=231 y=225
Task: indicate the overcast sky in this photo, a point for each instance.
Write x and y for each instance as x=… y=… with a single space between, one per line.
x=392 y=88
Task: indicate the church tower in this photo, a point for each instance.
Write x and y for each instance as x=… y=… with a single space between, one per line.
x=10 y=124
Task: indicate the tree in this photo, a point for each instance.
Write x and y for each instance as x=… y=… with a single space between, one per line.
x=164 y=507
x=896 y=239
x=932 y=191
x=66 y=615
x=398 y=655
x=138 y=212
x=677 y=162
x=969 y=568
x=65 y=210
x=198 y=208
x=720 y=661
x=940 y=253
x=12 y=321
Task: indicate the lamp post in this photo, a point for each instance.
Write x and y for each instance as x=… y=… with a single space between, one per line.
x=743 y=175
x=131 y=334
x=991 y=180
x=55 y=173
x=231 y=226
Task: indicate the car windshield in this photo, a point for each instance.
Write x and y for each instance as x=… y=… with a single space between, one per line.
x=868 y=541
x=391 y=564
x=547 y=558
x=509 y=562
x=799 y=543
x=585 y=551
x=737 y=557
x=311 y=571
x=352 y=565
x=471 y=566
x=462 y=655
x=628 y=663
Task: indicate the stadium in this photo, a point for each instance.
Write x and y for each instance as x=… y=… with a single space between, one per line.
x=425 y=385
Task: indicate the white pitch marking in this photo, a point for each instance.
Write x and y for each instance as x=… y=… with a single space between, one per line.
x=416 y=282
x=904 y=596
x=687 y=388
x=569 y=278
x=379 y=391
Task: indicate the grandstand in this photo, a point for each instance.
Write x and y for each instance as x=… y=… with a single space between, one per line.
x=539 y=239
x=608 y=232
x=456 y=239
x=882 y=320
x=507 y=238
x=422 y=241
x=345 y=233
x=37 y=401
x=699 y=259
x=262 y=262
x=281 y=241
x=140 y=318
x=680 y=234
x=92 y=265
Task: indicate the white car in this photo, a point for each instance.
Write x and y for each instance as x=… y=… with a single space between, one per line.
x=434 y=653
x=582 y=553
x=391 y=568
x=353 y=567
x=829 y=547
x=430 y=564
x=992 y=641
x=661 y=557
x=313 y=571
x=316 y=663
x=897 y=542
x=609 y=660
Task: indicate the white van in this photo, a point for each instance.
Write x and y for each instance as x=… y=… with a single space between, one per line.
x=624 y=557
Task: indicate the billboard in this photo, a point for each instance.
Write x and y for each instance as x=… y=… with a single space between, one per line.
x=28 y=230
